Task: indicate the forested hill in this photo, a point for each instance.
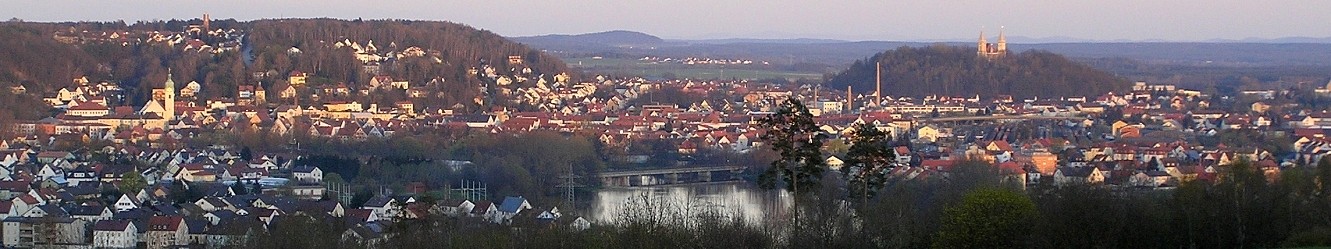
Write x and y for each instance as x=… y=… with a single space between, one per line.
x=957 y=71
x=459 y=47
x=44 y=57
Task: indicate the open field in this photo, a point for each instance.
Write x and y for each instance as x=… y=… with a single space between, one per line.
x=634 y=67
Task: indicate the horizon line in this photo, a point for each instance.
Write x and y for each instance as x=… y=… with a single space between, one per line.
x=710 y=37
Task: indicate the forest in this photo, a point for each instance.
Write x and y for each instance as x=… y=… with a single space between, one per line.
x=30 y=57
x=957 y=71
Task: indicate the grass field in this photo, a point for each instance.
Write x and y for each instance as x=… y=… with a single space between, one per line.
x=633 y=67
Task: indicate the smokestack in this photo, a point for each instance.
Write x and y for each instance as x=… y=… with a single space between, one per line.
x=878 y=93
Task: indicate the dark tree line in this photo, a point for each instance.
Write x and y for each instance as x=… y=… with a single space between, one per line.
x=957 y=71
x=527 y=164
x=17 y=107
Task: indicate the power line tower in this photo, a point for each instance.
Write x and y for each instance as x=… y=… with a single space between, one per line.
x=339 y=191
x=473 y=190
x=570 y=186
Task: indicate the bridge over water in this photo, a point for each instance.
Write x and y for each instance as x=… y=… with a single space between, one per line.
x=669 y=176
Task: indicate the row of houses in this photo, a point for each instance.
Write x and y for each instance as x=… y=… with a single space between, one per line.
x=59 y=198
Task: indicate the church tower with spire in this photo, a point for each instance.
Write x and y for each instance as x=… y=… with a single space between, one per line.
x=169 y=100
x=982 y=46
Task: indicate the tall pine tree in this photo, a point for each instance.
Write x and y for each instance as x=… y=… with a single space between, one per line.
x=792 y=133
x=868 y=160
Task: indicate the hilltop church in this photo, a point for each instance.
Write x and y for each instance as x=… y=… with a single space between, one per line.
x=163 y=103
x=989 y=50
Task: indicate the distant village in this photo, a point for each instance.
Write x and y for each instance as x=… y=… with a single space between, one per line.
x=77 y=198
x=700 y=61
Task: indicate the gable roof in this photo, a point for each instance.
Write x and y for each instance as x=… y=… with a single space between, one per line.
x=82 y=210
x=112 y=225
x=1077 y=171
x=378 y=201
x=512 y=204
x=165 y=223
x=359 y=215
x=482 y=207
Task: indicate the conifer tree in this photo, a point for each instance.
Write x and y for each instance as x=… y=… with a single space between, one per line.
x=792 y=133
x=867 y=161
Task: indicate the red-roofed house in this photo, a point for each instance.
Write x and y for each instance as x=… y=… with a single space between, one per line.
x=938 y=165
x=903 y=154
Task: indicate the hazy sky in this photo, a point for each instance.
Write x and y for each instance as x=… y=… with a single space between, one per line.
x=1175 y=20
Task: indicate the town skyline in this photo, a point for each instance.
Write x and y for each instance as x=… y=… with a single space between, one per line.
x=899 y=21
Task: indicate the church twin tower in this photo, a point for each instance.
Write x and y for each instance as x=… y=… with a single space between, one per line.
x=990 y=50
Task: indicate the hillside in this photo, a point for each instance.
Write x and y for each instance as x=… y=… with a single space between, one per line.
x=950 y=70
x=1197 y=65
x=609 y=38
x=259 y=52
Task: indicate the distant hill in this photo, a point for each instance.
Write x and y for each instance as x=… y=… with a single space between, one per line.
x=761 y=41
x=957 y=71
x=1240 y=54
x=837 y=53
x=610 y=38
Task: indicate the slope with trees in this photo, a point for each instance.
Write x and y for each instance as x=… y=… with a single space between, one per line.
x=29 y=56
x=957 y=71
x=460 y=47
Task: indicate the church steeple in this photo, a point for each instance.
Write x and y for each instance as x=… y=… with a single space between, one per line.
x=980 y=47
x=169 y=102
x=1002 y=41
x=170 y=84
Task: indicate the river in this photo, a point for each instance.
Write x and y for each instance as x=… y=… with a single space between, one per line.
x=684 y=202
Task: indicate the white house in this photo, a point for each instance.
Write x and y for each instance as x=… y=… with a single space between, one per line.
x=308 y=174
x=455 y=207
x=484 y=209
x=115 y=234
x=126 y=202
x=551 y=214
x=1078 y=175
x=903 y=154
x=511 y=206
x=382 y=206
x=210 y=204
x=1150 y=179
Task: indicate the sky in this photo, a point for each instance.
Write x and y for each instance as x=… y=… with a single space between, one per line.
x=896 y=20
